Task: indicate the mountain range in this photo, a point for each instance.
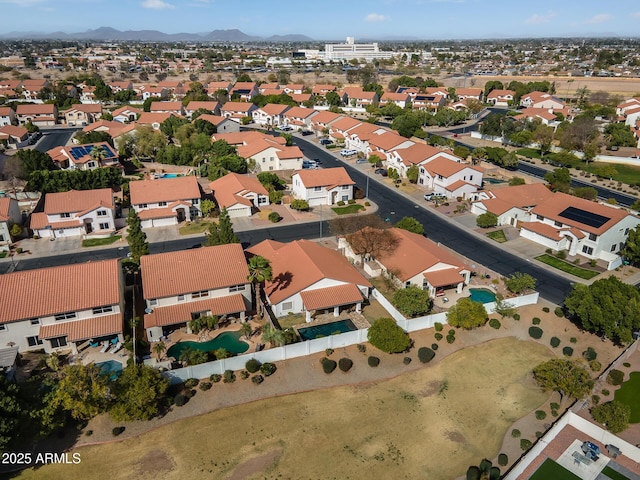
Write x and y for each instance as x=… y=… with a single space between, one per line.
x=111 y=34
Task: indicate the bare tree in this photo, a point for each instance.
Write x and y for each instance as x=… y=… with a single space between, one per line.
x=372 y=242
x=344 y=226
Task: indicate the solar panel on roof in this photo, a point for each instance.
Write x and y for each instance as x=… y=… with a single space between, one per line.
x=582 y=216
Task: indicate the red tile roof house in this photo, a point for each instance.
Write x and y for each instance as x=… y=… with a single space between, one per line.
x=245 y=90
x=358 y=98
x=7 y=116
x=148 y=91
x=76 y=213
x=111 y=127
x=310 y=278
x=541 y=100
x=185 y=285
x=154 y=119
x=272 y=114
x=82 y=114
x=293 y=88
x=323 y=89
x=325 y=186
x=547 y=117
x=269 y=153
x=339 y=128
x=419 y=153
x=166 y=201
x=399 y=99
x=120 y=86
x=511 y=204
x=299 y=117
x=580 y=227
x=192 y=106
x=416 y=261
x=167 y=107
x=631 y=116
x=78 y=157
x=627 y=105
x=324 y=119
x=222 y=124
x=9 y=214
x=357 y=137
x=501 y=98
x=450 y=178
x=236 y=111
x=126 y=114
x=61 y=308
x=41 y=115
x=474 y=93
x=215 y=87
x=268 y=87
x=31 y=88
x=241 y=195
x=14 y=137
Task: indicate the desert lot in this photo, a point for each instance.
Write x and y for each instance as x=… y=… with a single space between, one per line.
x=430 y=423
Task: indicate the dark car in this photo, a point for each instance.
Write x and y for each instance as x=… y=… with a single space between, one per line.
x=325 y=141
x=306 y=132
x=382 y=171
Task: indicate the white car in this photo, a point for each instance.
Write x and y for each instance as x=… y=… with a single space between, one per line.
x=286 y=128
x=347 y=152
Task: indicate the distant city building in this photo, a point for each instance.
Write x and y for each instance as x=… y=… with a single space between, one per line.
x=350 y=50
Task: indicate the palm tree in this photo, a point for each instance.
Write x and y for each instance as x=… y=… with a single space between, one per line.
x=259 y=272
x=246 y=330
x=98 y=153
x=272 y=335
x=159 y=348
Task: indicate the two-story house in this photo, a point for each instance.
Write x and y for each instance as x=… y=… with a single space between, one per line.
x=7 y=116
x=185 y=285
x=9 y=215
x=166 y=201
x=399 y=99
x=126 y=114
x=222 y=124
x=299 y=118
x=82 y=114
x=14 y=137
x=41 y=115
x=511 y=204
x=76 y=213
x=325 y=186
x=167 y=107
x=541 y=100
x=83 y=157
x=154 y=119
x=450 y=178
x=241 y=195
x=194 y=106
x=269 y=153
x=62 y=308
x=323 y=120
x=271 y=115
x=501 y=98
x=244 y=90
x=236 y=111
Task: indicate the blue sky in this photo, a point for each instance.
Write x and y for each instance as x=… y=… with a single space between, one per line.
x=332 y=19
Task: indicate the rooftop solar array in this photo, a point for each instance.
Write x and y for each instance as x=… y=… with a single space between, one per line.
x=582 y=216
x=82 y=150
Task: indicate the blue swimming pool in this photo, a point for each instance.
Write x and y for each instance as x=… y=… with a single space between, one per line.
x=326 y=329
x=493 y=180
x=170 y=175
x=230 y=341
x=482 y=295
x=112 y=368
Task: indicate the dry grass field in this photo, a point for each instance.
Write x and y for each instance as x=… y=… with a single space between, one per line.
x=431 y=423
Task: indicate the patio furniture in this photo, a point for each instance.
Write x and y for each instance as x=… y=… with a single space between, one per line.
x=105 y=346
x=94 y=344
x=114 y=348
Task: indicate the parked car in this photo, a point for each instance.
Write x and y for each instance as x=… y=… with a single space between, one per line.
x=433 y=196
x=286 y=128
x=347 y=152
x=310 y=164
x=306 y=132
x=362 y=160
x=326 y=141
x=382 y=171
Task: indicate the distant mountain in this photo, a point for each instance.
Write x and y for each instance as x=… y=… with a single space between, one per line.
x=111 y=34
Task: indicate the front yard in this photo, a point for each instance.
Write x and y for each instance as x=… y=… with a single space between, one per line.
x=199 y=226
x=567 y=267
x=96 y=242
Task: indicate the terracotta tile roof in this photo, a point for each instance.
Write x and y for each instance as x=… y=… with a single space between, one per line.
x=78 y=200
x=388 y=141
x=417 y=153
x=213 y=87
x=535 y=113
x=42 y=109
x=345 y=123
x=500 y=93
x=243 y=86
x=237 y=107
x=274 y=109
x=300 y=97
x=523 y=195
x=242 y=138
x=457 y=184
x=302 y=263
x=186 y=271
x=559 y=202
x=299 y=112
x=5 y=111
x=543 y=229
x=76 y=330
x=444 y=166
x=106 y=125
x=40 y=221
x=69 y=288
x=213 y=119
x=164 y=190
x=164 y=106
x=287 y=153
x=272 y=91
x=152 y=213
x=85 y=107
x=149 y=118
x=229 y=189
x=444 y=278
x=127 y=109
x=323 y=88
x=394 y=97
x=469 y=92
x=207 y=105
x=5 y=204
x=329 y=297
x=13 y=131
x=416 y=254
x=270 y=86
x=60 y=154
x=325 y=117
x=325 y=177
x=181 y=312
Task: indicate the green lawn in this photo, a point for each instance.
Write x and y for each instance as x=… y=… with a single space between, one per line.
x=199 y=226
x=354 y=208
x=291 y=320
x=613 y=474
x=96 y=242
x=566 y=267
x=529 y=152
x=626 y=173
x=498 y=236
x=629 y=394
x=550 y=470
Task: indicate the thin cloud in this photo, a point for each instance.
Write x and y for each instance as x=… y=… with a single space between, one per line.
x=636 y=14
x=600 y=18
x=537 y=19
x=21 y=3
x=156 y=4
x=375 y=17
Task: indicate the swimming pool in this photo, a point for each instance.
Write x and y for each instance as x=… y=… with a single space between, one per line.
x=230 y=341
x=170 y=175
x=326 y=329
x=482 y=295
x=493 y=180
x=112 y=368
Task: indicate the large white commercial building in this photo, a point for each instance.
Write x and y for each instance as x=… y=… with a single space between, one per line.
x=350 y=50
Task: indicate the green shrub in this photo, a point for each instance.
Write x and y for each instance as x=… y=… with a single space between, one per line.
x=495 y=323
x=516 y=316
x=615 y=377
x=573 y=340
x=252 y=365
x=535 y=321
x=538 y=434
x=626 y=364
x=452 y=332
x=438 y=326
x=191 y=382
x=362 y=348
x=438 y=336
x=373 y=361
x=386 y=335
x=545 y=309
x=554 y=342
x=274 y=217
x=473 y=473
x=451 y=338
x=595 y=399
x=180 y=399
x=257 y=379
x=204 y=386
x=535 y=332
x=117 y=431
x=340 y=203
x=425 y=354
x=503 y=459
x=434 y=346
x=351 y=201
x=328 y=365
x=228 y=376
x=541 y=414
x=244 y=374
x=525 y=444
x=515 y=433
x=88 y=433
x=406 y=360
x=345 y=364
x=367 y=204
x=299 y=204
x=589 y=354
x=568 y=351
x=215 y=377
x=328 y=352
x=559 y=312
x=267 y=369
x=605 y=392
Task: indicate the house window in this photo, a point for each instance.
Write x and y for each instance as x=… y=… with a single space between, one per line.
x=557 y=224
x=587 y=250
x=58 y=342
x=103 y=309
x=34 y=321
x=181 y=298
x=407 y=284
x=345 y=187
x=102 y=213
x=264 y=160
x=1 y=238
x=626 y=231
x=317 y=189
x=34 y=341
x=162 y=204
x=613 y=247
x=237 y=288
x=540 y=217
x=287 y=306
x=143 y=205
x=593 y=237
x=91 y=164
x=65 y=316
x=200 y=294
x=153 y=302
x=3 y=327
x=65 y=215
x=195 y=201
x=345 y=198
x=470 y=178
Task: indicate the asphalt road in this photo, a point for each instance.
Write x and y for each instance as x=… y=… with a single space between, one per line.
x=54 y=137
